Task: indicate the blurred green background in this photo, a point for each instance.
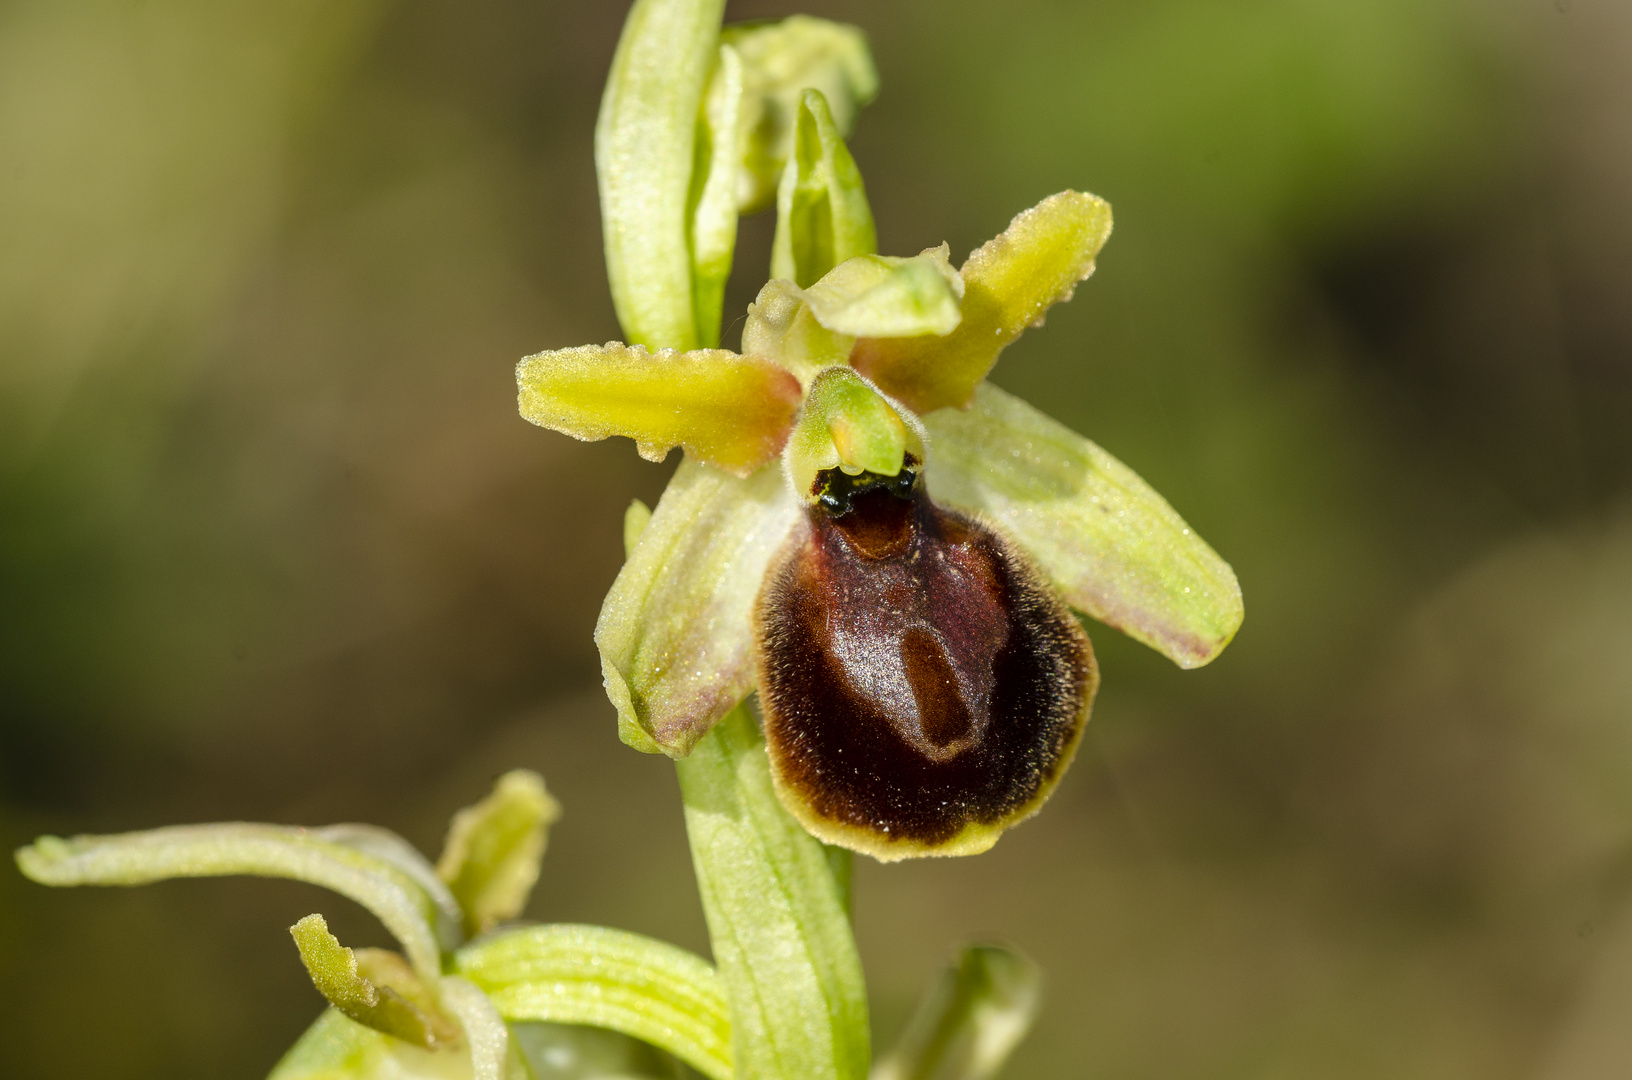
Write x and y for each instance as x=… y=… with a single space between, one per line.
x=274 y=544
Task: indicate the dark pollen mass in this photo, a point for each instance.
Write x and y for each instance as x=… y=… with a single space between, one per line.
x=915 y=673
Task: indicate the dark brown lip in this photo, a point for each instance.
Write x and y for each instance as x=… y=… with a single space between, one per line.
x=915 y=675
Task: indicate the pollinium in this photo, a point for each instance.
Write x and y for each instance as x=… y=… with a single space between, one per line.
x=922 y=689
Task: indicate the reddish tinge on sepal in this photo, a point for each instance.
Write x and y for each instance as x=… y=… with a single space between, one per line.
x=922 y=688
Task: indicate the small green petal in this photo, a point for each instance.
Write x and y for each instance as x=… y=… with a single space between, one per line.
x=969 y=1022
x=822 y=216
x=493 y=850
x=781 y=328
x=776 y=917
x=714 y=215
x=675 y=631
x=847 y=424
x=781 y=59
x=406 y=908
x=888 y=296
x=728 y=410
x=1009 y=284
x=1109 y=543
x=645 y=154
x=572 y=974
x=334 y=971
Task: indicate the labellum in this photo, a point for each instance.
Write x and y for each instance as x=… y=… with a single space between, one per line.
x=922 y=688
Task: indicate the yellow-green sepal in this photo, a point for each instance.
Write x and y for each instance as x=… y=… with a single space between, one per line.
x=675 y=631
x=731 y=411
x=1009 y=284
x=779 y=61
x=1112 y=546
x=822 y=215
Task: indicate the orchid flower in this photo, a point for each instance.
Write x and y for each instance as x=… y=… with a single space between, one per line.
x=883 y=544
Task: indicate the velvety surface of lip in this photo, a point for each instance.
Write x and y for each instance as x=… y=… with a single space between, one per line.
x=922 y=688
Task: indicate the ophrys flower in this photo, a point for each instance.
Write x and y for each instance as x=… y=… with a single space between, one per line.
x=897 y=589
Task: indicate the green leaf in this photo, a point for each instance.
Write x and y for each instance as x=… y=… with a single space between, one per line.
x=491 y=858
x=571 y=974
x=645 y=152
x=675 y=631
x=406 y=908
x=1111 y=544
x=889 y=296
x=729 y=410
x=713 y=237
x=822 y=216
x=1009 y=284
x=775 y=915
x=375 y=1002
x=971 y=1019
x=780 y=60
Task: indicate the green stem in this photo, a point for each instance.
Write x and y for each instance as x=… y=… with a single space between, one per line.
x=777 y=918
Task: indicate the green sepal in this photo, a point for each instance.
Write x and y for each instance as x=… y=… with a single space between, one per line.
x=847 y=424
x=491 y=857
x=625 y=982
x=1112 y=546
x=775 y=915
x=970 y=1020
x=406 y=907
x=1009 y=284
x=731 y=411
x=822 y=216
x=645 y=155
x=675 y=630
x=373 y=987
x=780 y=60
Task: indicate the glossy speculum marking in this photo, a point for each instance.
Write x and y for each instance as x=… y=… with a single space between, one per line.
x=922 y=688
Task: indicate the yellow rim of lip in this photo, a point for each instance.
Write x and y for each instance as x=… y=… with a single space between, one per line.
x=974 y=838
